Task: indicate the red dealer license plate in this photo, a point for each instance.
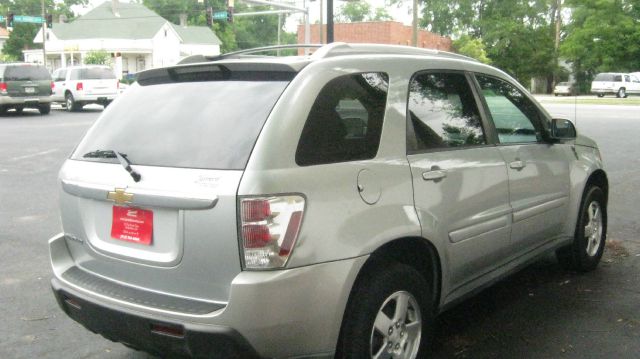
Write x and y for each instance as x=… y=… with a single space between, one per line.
x=132 y=225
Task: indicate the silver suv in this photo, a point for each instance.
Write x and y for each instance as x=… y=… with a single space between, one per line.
x=317 y=206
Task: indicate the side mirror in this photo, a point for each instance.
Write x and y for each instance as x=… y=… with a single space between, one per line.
x=562 y=129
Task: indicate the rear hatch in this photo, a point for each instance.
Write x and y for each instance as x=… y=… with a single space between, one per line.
x=188 y=132
x=605 y=82
x=96 y=80
x=27 y=80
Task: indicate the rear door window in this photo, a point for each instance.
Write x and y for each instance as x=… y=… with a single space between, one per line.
x=345 y=121
x=442 y=113
x=179 y=122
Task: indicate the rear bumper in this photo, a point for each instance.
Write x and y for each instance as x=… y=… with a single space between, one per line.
x=144 y=332
x=26 y=101
x=95 y=98
x=271 y=314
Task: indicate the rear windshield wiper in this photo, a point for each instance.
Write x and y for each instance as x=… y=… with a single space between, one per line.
x=122 y=158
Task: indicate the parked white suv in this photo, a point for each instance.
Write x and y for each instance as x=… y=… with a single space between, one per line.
x=323 y=206
x=77 y=86
x=619 y=84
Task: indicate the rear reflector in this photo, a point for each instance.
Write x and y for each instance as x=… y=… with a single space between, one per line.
x=269 y=228
x=168 y=330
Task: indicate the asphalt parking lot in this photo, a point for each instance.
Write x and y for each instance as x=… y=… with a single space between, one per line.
x=541 y=312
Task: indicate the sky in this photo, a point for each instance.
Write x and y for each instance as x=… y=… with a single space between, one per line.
x=399 y=13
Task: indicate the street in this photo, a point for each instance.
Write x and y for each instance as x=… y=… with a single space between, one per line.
x=542 y=312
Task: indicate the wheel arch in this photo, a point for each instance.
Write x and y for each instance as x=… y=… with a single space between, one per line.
x=598 y=178
x=415 y=252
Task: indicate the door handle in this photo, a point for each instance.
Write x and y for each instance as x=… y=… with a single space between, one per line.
x=434 y=175
x=517 y=165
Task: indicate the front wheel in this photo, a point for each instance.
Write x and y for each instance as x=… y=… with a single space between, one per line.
x=622 y=93
x=585 y=252
x=389 y=315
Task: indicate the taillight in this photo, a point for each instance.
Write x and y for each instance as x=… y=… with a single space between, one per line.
x=3 y=87
x=79 y=86
x=269 y=228
x=53 y=85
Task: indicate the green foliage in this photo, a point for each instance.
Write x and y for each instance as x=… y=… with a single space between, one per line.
x=244 y=32
x=99 y=57
x=604 y=35
x=22 y=36
x=7 y=58
x=472 y=47
x=358 y=11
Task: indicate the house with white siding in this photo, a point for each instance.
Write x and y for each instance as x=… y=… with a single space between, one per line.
x=136 y=37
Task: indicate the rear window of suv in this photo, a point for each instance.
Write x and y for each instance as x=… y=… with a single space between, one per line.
x=26 y=73
x=604 y=77
x=199 y=120
x=95 y=73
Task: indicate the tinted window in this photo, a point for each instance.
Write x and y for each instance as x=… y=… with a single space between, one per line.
x=604 y=77
x=59 y=75
x=442 y=113
x=92 y=73
x=617 y=78
x=206 y=124
x=513 y=114
x=627 y=78
x=25 y=73
x=345 y=122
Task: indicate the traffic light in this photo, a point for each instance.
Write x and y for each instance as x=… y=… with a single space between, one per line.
x=49 y=21
x=209 y=16
x=10 y=20
x=230 y=14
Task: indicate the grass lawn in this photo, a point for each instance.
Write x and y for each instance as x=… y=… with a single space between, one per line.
x=592 y=100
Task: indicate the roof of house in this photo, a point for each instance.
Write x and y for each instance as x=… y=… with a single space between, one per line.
x=132 y=22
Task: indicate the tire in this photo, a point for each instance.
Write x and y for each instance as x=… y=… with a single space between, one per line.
x=403 y=333
x=71 y=104
x=622 y=93
x=3 y=111
x=44 y=109
x=584 y=254
x=600 y=95
x=19 y=110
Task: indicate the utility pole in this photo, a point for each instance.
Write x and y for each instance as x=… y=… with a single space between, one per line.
x=44 y=37
x=329 y=21
x=414 y=25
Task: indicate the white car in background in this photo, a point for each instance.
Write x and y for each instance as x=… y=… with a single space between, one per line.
x=77 y=86
x=619 y=84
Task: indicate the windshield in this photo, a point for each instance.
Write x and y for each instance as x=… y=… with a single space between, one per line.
x=25 y=73
x=209 y=124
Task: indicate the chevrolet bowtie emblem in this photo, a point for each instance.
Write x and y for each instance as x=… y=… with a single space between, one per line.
x=119 y=196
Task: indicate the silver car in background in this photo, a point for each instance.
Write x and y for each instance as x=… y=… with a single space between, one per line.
x=319 y=206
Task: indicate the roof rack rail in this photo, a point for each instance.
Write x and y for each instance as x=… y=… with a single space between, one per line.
x=342 y=48
x=202 y=58
x=332 y=50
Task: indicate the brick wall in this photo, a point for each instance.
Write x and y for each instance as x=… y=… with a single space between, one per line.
x=378 y=32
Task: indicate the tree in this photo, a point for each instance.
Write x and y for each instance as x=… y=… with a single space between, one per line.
x=472 y=47
x=358 y=11
x=22 y=36
x=99 y=57
x=244 y=32
x=603 y=36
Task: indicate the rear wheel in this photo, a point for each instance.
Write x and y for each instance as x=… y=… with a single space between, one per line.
x=600 y=95
x=71 y=103
x=3 y=110
x=44 y=109
x=390 y=315
x=19 y=110
x=585 y=252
